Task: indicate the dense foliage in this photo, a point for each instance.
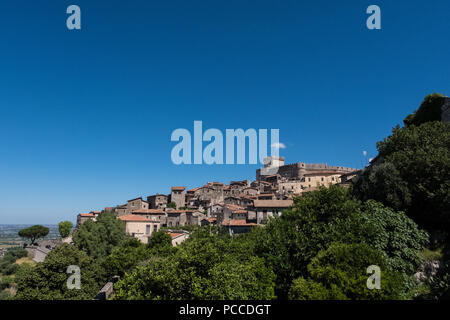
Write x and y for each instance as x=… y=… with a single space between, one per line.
x=412 y=173
x=98 y=238
x=65 y=228
x=429 y=110
x=48 y=279
x=8 y=264
x=320 y=218
x=206 y=266
x=339 y=272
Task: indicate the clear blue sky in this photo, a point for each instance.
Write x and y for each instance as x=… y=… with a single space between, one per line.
x=86 y=116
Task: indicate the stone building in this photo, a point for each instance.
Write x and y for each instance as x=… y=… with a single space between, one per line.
x=178 y=236
x=121 y=210
x=237 y=226
x=135 y=204
x=295 y=171
x=320 y=178
x=178 y=196
x=139 y=227
x=293 y=187
x=177 y=218
x=83 y=217
x=158 y=215
x=157 y=201
x=262 y=210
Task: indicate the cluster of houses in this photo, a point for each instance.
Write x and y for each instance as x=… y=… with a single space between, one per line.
x=237 y=206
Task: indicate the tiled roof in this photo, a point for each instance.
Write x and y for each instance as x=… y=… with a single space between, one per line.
x=237 y=223
x=234 y=207
x=89 y=215
x=272 y=203
x=149 y=211
x=178 y=188
x=134 y=218
x=174 y=234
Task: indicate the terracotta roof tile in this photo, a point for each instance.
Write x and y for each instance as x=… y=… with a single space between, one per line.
x=134 y=218
x=237 y=223
x=272 y=203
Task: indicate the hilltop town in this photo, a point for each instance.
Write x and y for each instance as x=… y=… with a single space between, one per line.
x=237 y=206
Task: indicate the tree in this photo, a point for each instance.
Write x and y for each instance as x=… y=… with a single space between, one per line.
x=172 y=205
x=98 y=238
x=395 y=235
x=383 y=183
x=420 y=182
x=48 y=279
x=125 y=257
x=161 y=244
x=319 y=218
x=288 y=243
x=429 y=110
x=205 y=266
x=341 y=271
x=34 y=232
x=65 y=227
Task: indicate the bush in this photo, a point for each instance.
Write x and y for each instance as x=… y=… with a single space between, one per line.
x=5 y=282
x=5 y=295
x=341 y=269
x=10 y=269
x=65 y=227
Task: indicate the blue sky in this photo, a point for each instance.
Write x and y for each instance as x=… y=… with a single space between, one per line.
x=86 y=116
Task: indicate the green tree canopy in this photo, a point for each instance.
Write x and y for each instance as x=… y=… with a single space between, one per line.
x=340 y=272
x=125 y=257
x=160 y=244
x=65 y=227
x=429 y=110
x=48 y=279
x=98 y=238
x=319 y=218
x=205 y=266
x=419 y=159
x=34 y=232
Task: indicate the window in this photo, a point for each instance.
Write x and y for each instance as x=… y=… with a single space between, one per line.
x=332 y=178
x=147 y=229
x=321 y=178
x=309 y=179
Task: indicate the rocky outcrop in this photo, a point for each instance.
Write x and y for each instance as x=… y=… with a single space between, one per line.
x=427 y=270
